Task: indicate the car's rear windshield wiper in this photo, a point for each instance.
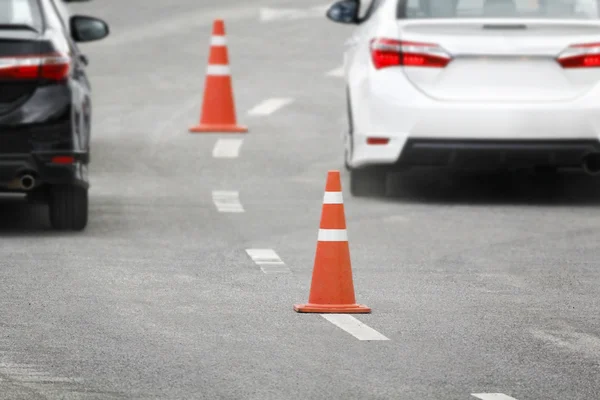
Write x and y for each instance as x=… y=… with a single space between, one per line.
x=18 y=27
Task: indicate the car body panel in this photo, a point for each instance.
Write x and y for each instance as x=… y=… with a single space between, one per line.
x=499 y=64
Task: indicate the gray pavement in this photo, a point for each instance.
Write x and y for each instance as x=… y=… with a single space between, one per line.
x=482 y=284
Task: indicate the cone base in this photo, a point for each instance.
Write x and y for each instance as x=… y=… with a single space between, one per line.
x=218 y=128
x=332 y=308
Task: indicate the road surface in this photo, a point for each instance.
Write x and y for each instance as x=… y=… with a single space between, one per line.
x=481 y=286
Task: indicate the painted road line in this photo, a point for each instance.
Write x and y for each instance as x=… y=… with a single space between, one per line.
x=287 y=14
x=492 y=396
x=275 y=269
x=268 y=261
x=269 y=106
x=354 y=327
x=227 y=201
x=227 y=148
x=336 y=73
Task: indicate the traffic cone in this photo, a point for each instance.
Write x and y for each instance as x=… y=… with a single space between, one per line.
x=218 y=108
x=332 y=288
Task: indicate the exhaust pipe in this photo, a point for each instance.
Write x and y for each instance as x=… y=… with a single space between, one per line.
x=27 y=182
x=591 y=164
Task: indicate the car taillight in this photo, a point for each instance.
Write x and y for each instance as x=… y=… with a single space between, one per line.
x=377 y=140
x=63 y=160
x=580 y=56
x=54 y=67
x=392 y=53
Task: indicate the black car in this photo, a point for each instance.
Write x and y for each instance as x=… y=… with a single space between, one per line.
x=45 y=106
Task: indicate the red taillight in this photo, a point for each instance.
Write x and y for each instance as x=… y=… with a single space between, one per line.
x=580 y=56
x=63 y=160
x=385 y=52
x=54 y=67
x=392 y=53
x=377 y=141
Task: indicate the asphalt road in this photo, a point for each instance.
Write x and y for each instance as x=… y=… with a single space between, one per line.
x=481 y=284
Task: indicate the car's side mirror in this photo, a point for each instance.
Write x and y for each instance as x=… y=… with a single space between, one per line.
x=344 y=12
x=88 y=29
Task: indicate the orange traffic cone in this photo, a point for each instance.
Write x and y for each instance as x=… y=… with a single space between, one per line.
x=218 y=108
x=332 y=288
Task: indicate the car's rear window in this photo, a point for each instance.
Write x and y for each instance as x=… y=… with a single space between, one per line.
x=571 y=9
x=20 y=12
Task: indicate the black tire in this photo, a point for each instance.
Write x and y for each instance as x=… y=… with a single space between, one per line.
x=68 y=207
x=368 y=182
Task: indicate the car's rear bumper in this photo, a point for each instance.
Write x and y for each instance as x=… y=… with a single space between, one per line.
x=32 y=150
x=425 y=131
x=43 y=169
x=496 y=153
x=471 y=153
x=443 y=137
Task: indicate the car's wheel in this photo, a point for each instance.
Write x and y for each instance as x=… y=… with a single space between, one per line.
x=368 y=182
x=68 y=207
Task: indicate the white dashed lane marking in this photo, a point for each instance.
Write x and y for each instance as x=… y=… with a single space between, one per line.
x=227 y=148
x=336 y=73
x=227 y=201
x=354 y=327
x=268 y=261
x=270 y=106
x=492 y=396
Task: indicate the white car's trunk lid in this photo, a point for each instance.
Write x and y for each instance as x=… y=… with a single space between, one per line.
x=502 y=60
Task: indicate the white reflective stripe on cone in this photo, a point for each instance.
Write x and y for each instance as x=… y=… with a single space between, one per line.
x=218 y=70
x=218 y=41
x=333 y=198
x=333 y=235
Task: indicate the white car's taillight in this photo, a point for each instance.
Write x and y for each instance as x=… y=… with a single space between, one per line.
x=46 y=66
x=580 y=56
x=392 y=53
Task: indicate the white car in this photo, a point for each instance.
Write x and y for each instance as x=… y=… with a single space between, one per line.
x=470 y=83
